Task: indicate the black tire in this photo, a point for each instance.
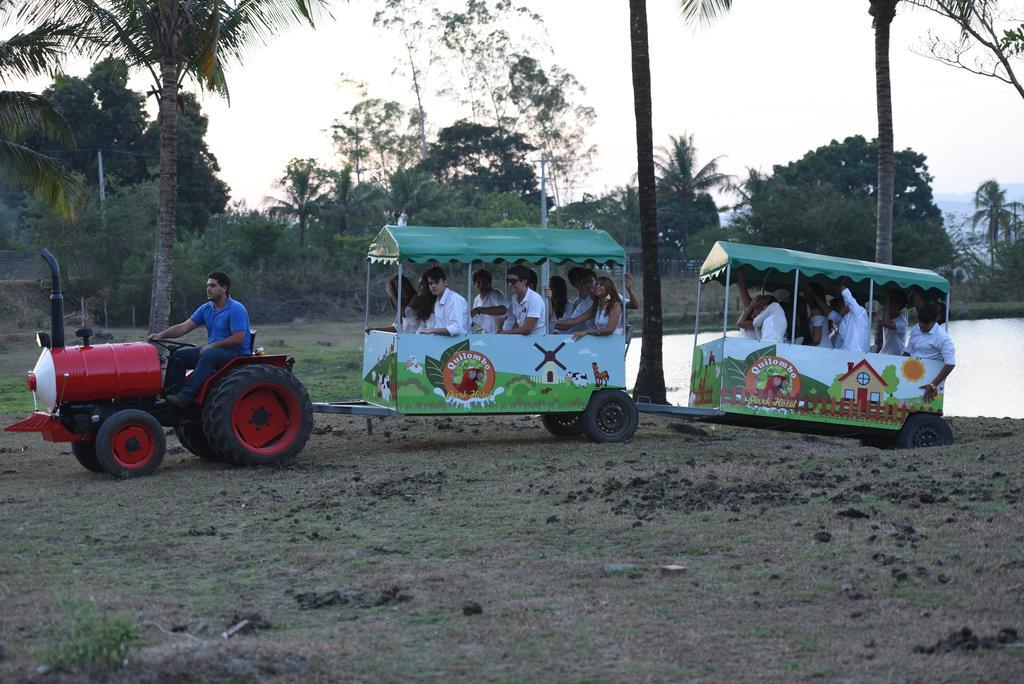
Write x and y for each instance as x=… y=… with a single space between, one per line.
x=258 y=415
x=190 y=434
x=130 y=443
x=924 y=430
x=563 y=424
x=879 y=441
x=85 y=452
x=611 y=416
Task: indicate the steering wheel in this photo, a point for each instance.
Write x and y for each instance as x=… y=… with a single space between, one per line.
x=171 y=345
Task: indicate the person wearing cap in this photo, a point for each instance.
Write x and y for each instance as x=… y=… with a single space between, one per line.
x=928 y=341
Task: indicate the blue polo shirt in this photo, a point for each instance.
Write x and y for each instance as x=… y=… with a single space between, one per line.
x=220 y=325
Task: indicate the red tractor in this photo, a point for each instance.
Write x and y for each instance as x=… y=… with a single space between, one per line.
x=106 y=400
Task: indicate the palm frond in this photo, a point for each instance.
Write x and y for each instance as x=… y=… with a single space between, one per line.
x=22 y=114
x=43 y=176
x=38 y=51
x=704 y=11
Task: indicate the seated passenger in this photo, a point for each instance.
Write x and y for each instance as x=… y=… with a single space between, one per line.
x=583 y=279
x=451 y=311
x=558 y=293
x=489 y=305
x=527 y=314
x=854 y=327
x=405 y=320
x=917 y=300
x=630 y=299
x=929 y=341
x=817 y=315
x=765 y=319
x=894 y=323
x=607 y=310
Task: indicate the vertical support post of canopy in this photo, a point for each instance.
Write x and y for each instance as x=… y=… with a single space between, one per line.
x=945 y=324
x=696 y=318
x=725 y=309
x=399 y=311
x=545 y=276
x=366 y=314
x=469 y=294
x=623 y=294
x=871 y=306
x=796 y=290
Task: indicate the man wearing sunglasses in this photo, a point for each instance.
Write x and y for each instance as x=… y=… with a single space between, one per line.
x=451 y=310
x=528 y=309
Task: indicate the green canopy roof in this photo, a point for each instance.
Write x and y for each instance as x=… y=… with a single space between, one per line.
x=767 y=265
x=420 y=243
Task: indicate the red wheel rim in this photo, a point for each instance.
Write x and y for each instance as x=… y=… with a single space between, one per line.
x=132 y=446
x=266 y=419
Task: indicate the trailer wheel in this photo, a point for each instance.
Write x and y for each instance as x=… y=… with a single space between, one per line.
x=85 y=452
x=130 y=443
x=611 y=416
x=190 y=434
x=563 y=424
x=924 y=430
x=258 y=415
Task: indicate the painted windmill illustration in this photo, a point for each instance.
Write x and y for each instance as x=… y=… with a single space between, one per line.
x=548 y=368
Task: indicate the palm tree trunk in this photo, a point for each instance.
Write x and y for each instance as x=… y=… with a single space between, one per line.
x=883 y=12
x=650 y=380
x=160 y=297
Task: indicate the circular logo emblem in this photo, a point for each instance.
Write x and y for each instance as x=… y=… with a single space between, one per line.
x=469 y=374
x=773 y=376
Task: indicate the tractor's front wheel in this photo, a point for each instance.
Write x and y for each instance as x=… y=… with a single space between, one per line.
x=924 y=430
x=130 y=443
x=258 y=415
x=190 y=434
x=85 y=452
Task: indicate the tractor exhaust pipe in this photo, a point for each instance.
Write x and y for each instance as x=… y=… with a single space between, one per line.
x=56 y=302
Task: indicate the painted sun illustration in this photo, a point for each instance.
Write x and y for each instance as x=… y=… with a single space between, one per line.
x=913 y=369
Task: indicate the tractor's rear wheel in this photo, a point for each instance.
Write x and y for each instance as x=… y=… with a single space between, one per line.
x=563 y=424
x=85 y=452
x=611 y=416
x=190 y=434
x=258 y=415
x=130 y=443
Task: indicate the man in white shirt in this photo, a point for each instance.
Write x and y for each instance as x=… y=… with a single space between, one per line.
x=854 y=328
x=451 y=311
x=929 y=341
x=489 y=305
x=894 y=324
x=583 y=279
x=528 y=311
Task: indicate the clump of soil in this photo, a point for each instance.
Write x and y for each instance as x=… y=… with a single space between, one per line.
x=407 y=488
x=966 y=640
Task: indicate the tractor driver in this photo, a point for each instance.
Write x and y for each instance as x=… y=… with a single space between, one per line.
x=227 y=336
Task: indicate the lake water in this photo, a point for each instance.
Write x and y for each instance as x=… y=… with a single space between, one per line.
x=988 y=379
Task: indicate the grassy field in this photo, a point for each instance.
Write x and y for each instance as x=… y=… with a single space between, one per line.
x=483 y=549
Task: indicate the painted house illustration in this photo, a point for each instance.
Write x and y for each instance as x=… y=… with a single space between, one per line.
x=862 y=384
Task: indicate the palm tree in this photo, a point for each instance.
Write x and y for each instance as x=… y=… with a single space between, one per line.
x=306 y=187
x=24 y=115
x=676 y=165
x=410 y=191
x=349 y=198
x=172 y=40
x=650 y=379
x=992 y=210
x=882 y=13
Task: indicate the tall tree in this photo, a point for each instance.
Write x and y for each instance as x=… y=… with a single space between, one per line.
x=650 y=380
x=684 y=205
x=992 y=210
x=307 y=189
x=348 y=199
x=987 y=42
x=882 y=13
x=172 y=40
x=25 y=115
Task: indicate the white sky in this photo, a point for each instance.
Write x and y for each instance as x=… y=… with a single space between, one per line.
x=762 y=86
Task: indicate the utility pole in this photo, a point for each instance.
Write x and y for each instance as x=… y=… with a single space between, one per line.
x=543 y=188
x=103 y=192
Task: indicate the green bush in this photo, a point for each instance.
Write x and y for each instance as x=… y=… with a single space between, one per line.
x=84 y=636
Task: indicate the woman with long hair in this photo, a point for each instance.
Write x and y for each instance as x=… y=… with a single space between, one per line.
x=403 y=319
x=422 y=304
x=559 y=293
x=607 y=310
